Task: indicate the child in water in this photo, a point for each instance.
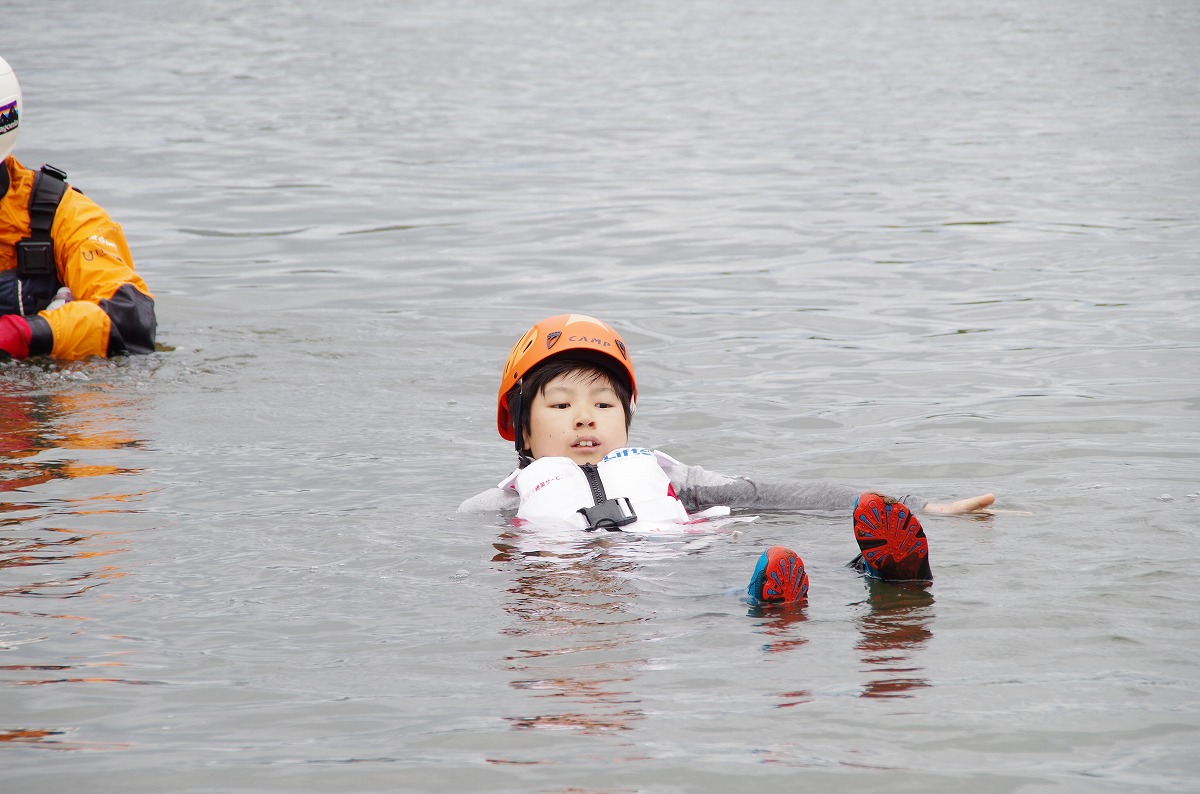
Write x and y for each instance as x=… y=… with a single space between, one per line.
x=566 y=400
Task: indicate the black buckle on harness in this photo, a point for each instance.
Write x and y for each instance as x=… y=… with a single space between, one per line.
x=611 y=514
x=35 y=258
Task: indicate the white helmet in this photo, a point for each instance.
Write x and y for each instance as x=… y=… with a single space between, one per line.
x=10 y=108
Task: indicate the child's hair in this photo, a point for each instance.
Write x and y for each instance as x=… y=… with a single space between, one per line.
x=520 y=398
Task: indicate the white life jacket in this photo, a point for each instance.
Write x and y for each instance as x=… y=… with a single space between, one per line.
x=553 y=489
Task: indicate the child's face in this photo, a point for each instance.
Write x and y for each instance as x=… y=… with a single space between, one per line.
x=577 y=416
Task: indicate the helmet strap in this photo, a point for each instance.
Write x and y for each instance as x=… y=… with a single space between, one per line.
x=515 y=410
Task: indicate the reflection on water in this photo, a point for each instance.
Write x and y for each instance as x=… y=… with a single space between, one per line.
x=782 y=625
x=896 y=625
x=576 y=658
x=32 y=424
x=54 y=546
x=53 y=740
x=583 y=668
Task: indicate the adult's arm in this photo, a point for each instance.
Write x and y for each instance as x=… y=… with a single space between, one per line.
x=112 y=311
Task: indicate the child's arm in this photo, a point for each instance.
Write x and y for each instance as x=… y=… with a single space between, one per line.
x=699 y=488
x=973 y=504
x=492 y=500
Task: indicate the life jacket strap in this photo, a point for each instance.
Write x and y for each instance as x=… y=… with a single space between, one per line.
x=36 y=268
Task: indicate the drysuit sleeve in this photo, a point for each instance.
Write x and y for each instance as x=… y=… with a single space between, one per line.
x=112 y=311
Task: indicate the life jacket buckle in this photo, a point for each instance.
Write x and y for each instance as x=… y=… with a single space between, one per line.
x=55 y=172
x=611 y=514
x=35 y=258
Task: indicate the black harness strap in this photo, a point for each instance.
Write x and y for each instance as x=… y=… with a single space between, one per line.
x=35 y=254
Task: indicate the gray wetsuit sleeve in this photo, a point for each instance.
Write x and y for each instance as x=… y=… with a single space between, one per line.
x=491 y=501
x=699 y=489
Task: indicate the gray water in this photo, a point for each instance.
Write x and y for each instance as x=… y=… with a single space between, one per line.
x=933 y=246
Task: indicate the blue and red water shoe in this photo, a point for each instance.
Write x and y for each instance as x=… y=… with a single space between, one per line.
x=891 y=538
x=779 y=578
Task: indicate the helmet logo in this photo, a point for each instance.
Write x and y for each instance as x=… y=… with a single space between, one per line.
x=9 y=117
x=621 y=347
x=552 y=338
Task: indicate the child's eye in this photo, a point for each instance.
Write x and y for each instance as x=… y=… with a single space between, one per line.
x=604 y=405
x=561 y=406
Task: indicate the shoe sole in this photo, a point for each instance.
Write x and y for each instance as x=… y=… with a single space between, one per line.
x=891 y=538
x=779 y=578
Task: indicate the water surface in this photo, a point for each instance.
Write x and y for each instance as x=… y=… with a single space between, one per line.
x=931 y=247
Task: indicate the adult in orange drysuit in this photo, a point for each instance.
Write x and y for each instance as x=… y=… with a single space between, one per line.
x=84 y=298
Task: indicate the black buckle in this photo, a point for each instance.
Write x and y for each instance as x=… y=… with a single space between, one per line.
x=58 y=172
x=35 y=258
x=611 y=514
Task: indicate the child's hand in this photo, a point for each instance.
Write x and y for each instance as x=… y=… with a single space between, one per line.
x=975 y=504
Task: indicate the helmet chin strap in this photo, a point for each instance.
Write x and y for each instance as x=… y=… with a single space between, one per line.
x=514 y=410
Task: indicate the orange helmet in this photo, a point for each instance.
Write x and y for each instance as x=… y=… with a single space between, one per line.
x=554 y=336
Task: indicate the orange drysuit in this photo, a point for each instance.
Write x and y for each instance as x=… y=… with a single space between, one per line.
x=112 y=311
